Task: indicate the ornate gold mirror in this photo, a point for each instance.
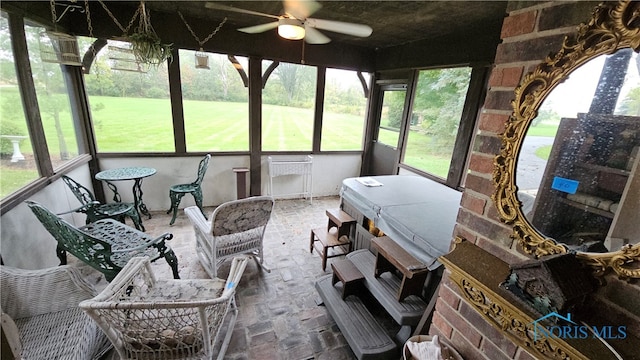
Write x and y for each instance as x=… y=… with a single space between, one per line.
x=585 y=194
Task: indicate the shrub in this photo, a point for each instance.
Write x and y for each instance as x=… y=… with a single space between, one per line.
x=9 y=128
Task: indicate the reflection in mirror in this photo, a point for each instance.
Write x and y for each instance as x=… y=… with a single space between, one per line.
x=577 y=172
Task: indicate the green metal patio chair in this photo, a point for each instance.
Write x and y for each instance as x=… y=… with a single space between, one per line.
x=176 y=192
x=96 y=211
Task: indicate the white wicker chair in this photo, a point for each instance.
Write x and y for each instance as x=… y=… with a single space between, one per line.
x=41 y=318
x=149 y=319
x=236 y=227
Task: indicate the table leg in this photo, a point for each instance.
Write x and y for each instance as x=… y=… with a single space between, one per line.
x=137 y=198
x=116 y=196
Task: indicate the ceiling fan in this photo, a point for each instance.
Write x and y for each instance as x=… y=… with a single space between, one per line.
x=295 y=23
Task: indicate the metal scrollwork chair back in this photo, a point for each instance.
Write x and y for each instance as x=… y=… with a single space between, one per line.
x=176 y=192
x=96 y=211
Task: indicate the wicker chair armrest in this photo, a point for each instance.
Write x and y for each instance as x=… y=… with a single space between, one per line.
x=137 y=269
x=12 y=334
x=27 y=293
x=198 y=220
x=135 y=287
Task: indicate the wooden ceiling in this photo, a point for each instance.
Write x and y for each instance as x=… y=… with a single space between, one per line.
x=405 y=33
x=394 y=22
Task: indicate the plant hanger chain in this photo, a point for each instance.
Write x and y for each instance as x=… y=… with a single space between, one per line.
x=202 y=42
x=144 y=26
x=54 y=17
x=124 y=30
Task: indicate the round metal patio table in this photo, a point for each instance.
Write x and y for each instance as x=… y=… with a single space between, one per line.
x=136 y=174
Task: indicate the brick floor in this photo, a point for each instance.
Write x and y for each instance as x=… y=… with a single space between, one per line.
x=278 y=315
x=279 y=318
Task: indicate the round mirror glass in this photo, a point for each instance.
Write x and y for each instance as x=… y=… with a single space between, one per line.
x=577 y=171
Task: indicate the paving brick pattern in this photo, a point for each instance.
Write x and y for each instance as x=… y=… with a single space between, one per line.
x=278 y=314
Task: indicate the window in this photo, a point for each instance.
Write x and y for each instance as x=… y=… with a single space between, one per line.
x=215 y=103
x=17 y=164
x=129 y=102
x=54 y=103
x=288 y=101
x=345 y=106
x=393 y=98
x=437 y=110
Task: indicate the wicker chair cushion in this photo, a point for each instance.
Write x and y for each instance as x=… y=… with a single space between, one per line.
x=56 y=328
x=238 y=243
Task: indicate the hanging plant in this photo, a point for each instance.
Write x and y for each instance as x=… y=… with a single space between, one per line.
x=145 y=43
x=148 y=49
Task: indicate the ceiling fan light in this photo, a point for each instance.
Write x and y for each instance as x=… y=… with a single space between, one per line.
x=291 y=29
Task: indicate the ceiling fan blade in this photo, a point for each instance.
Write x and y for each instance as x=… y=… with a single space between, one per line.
x=301 y=9
x=313 y=36
x=216 y=6
x=259 y=28
x=340 y=27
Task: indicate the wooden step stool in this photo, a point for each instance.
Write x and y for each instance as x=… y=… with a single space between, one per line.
x=334 y=240
x=351 y=277
x=392 y=256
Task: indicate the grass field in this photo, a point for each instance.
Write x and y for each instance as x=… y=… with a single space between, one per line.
x=145 y=125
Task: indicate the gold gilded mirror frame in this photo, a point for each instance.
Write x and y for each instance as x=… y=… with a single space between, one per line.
x=614 y=25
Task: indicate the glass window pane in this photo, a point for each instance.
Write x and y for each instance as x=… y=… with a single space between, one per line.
x=437 y=109
x=345 y=107
x=215 y=100
x=53 y=101
x=17 y=165
x=130 y=109
x=391 y=117
x=288 y=102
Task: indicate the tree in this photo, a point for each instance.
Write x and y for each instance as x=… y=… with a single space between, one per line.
x=53 y=98
x=287 y=72
x=440 y=96
x=630 y=106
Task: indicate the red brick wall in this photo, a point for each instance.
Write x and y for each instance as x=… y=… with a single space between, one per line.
x=531 y=30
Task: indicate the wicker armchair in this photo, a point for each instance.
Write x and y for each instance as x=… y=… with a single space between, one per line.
x=236 y=227
x=148 y=319
x=41 y=318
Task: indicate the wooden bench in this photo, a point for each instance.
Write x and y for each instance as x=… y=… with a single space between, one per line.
x=366 y=337
x=385 y=289
x=338 y=218
x=349 y=275
x=392 y=256
x=334 y=240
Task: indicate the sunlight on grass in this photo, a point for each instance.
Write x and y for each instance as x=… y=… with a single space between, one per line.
x=221 y=126
x=543 y=152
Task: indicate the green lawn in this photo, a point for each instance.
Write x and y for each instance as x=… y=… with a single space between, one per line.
x=543 y=130
x=145 y=125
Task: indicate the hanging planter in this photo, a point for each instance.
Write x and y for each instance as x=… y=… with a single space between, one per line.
x=146 y=46
x=148 y=49
x=202 y=60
